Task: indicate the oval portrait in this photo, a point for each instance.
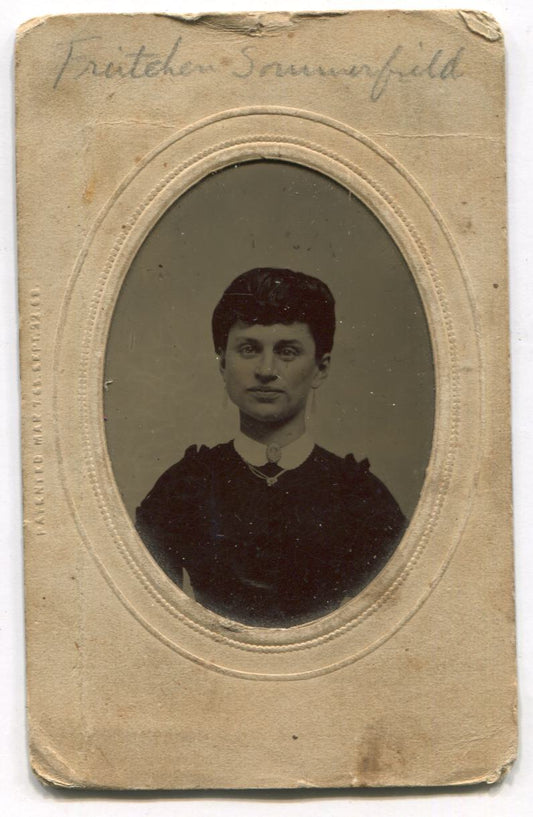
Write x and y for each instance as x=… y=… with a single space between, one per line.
x=269 y=394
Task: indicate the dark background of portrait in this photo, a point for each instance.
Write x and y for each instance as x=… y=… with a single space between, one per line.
x=163 y=389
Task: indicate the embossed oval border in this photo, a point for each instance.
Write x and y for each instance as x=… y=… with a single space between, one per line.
x=322 y=631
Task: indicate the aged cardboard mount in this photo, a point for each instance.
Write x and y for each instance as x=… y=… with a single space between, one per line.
x=157 y=157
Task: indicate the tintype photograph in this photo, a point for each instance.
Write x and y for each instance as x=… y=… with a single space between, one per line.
x=269 y=394
x=265 y=426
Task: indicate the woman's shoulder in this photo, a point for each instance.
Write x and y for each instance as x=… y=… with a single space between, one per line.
x=191 y=470
x=346 y=465
x=355 y=478
x=203 y=455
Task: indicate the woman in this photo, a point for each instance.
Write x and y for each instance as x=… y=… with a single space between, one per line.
x=272 y=529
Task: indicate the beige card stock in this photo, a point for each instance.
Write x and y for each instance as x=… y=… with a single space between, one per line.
x=159 y=157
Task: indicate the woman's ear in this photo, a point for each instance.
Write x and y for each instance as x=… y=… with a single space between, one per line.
x=322 y=370
x=221 y=357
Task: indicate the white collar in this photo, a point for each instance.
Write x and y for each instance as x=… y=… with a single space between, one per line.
x=292 y=455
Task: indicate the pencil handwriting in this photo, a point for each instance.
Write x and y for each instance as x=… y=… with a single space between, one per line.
x=397 y=66
x=141 y=63
x=82 y=59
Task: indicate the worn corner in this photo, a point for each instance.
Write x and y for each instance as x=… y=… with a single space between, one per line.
x=496 y=777
x=30 y=25
x=482 y=24
x=47 y=775
x=49 y=767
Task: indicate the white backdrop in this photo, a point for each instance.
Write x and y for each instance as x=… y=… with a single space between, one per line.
x=20 y=794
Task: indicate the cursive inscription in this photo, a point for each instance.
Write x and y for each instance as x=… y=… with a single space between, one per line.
x=397 y=66
x=36 y=410
x=138 y=64
x=402 y=64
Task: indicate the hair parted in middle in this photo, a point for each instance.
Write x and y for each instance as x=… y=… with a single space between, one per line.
x=267 y=295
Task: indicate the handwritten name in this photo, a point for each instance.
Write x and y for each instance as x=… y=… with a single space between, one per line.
x=399 y=66
x=138 y=64
x=437 y=66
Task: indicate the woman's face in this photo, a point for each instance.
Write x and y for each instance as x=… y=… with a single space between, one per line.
x=270 y=370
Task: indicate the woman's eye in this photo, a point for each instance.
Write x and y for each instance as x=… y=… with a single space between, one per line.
x=247 y=350
x=288 y=352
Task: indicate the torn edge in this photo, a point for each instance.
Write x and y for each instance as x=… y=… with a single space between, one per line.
x=483 y=24
x=255 y=23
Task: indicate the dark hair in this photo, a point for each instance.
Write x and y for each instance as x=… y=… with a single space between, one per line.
x=267 y=295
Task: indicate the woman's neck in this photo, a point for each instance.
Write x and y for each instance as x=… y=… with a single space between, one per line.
x=267 y=433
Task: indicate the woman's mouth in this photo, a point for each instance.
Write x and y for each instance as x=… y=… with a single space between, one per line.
x=265 y=393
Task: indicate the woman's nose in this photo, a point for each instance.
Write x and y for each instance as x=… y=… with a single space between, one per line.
x=265 y=369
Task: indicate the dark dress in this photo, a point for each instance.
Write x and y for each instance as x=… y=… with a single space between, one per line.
x=270 y=556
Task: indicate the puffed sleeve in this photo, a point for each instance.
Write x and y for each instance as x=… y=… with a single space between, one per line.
x=166 y=518
x=375 y=522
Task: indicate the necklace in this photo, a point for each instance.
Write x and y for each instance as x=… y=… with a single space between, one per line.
x=270 y=481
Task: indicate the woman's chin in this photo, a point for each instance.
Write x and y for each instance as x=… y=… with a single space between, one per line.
x=267 y=417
